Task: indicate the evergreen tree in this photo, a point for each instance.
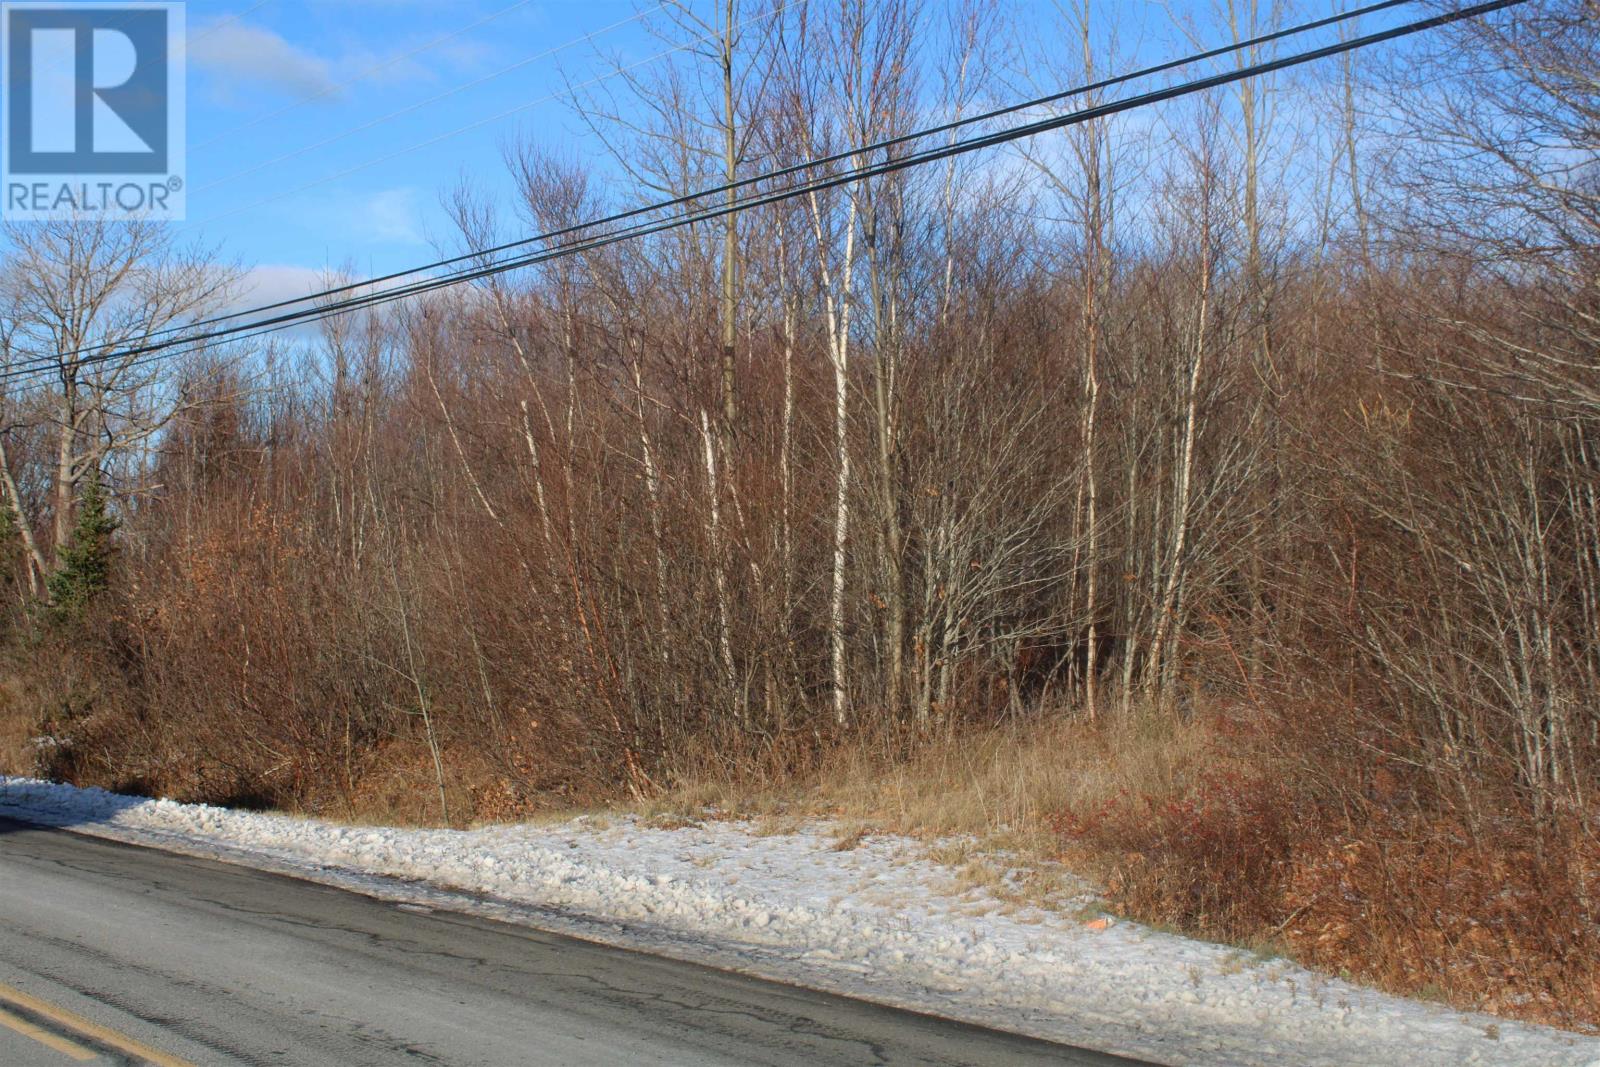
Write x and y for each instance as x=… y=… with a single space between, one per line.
x=9 y=533
x=84 y=568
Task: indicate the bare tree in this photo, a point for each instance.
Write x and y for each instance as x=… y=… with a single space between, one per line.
x=81 y=298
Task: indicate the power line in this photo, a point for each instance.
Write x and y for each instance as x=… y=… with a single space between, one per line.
x=476 y=124
x=141 y=354
x=227 y=20
x=372 y=297
x=876 y=170
x=810 y=164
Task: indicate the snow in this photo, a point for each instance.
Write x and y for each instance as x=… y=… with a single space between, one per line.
x=877 y=919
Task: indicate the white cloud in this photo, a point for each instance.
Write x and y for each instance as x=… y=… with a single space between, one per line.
x=392 y=215
x=355 y=220
x=272 y=282
x=239 y=57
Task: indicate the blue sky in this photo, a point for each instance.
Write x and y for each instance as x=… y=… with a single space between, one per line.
x=305 y=116
x=295 y=164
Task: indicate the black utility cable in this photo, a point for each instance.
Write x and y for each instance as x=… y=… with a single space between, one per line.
x=701 y=194
x=258 y=328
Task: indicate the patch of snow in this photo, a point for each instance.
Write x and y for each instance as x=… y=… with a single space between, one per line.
x=878 y=921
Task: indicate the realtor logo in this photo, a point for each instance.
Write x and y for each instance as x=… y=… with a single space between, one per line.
x=93 y=111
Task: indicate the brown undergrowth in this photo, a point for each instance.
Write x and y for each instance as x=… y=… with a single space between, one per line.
x=1501 y=918
x=1203 y=827
x=1003 y=783
x=1178 y=821
x=1398 y=889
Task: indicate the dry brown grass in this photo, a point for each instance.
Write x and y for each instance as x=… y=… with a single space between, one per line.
x=1188 y=827
x=1005 y=786
x=16 y=735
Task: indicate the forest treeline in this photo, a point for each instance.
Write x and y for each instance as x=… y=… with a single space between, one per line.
x=1275 y=411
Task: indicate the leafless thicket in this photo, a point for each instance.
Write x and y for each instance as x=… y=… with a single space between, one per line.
x=1235 y=410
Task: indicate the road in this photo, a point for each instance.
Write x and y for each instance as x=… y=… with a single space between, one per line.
x=110 y=953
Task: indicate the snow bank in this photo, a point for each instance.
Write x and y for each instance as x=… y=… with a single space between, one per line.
x=878 y=920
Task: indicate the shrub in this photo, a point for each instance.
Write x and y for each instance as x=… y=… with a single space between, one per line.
x=1500 y=919
x=1210 y=861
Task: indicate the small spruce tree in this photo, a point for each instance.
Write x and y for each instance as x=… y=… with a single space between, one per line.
x=10 y=547
x=84 y=569
x=9 y=533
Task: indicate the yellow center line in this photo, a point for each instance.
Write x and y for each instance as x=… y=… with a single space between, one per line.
x=104 y=1034
x=45 y=1037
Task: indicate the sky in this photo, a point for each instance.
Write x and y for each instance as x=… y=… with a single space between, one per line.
x=322 y=133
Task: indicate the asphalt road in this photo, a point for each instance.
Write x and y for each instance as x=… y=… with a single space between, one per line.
x=111 y=953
